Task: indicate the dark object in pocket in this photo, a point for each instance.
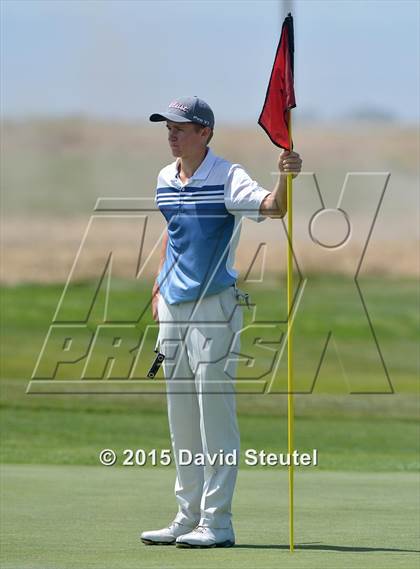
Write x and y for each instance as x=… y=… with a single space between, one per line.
x=156 y=364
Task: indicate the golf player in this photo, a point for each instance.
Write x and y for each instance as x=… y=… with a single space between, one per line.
x=197 y=303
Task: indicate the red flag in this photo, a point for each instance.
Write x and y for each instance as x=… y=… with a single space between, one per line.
x=280 y=97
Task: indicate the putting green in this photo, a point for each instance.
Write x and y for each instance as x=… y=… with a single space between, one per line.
x=89 y=517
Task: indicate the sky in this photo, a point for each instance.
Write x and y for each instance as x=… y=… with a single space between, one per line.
x=126 y=59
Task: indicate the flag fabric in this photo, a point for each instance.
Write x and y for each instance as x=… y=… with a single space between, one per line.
x=280 y=96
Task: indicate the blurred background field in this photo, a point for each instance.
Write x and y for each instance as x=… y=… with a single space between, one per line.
x=361 y=414
x=55 y=170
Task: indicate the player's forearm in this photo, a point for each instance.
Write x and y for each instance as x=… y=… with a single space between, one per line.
x=161 y=262
x=275 y=204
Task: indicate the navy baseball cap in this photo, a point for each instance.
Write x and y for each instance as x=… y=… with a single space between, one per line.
x=187 y=109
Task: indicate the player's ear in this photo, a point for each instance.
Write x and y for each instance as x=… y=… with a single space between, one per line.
x=209 y=134
x=205 y=132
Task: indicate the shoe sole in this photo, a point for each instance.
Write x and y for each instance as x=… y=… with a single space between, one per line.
x=185 y=545
x=150 y=542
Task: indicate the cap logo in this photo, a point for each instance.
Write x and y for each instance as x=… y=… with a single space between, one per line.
x=176 y=105
x=199 y=119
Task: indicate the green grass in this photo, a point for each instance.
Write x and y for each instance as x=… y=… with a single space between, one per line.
x=330 y=304
x=48 y=436
x=61 y=517
x=62 y=510
x=352 y=432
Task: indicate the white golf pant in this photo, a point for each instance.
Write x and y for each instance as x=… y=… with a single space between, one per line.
x=199 y=340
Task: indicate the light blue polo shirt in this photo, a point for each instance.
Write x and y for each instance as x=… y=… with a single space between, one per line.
x=204 y=221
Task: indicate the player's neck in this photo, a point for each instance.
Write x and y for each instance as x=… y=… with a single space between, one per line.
x=189 y=164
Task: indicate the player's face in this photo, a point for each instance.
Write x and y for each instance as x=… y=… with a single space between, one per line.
x=185 y=139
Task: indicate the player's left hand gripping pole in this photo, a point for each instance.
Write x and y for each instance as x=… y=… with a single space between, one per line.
x=276 y=120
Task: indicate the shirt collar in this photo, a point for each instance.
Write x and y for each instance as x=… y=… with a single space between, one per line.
x=202 y=171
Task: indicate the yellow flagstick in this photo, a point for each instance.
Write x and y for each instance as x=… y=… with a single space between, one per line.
x=290 y=406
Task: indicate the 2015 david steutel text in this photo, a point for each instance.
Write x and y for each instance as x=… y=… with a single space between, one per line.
x=250 y=457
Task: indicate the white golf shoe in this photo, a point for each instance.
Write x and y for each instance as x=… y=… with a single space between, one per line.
x=203 y=536
x=165 y=536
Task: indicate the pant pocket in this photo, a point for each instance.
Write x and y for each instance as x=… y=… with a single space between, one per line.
x=231 y=309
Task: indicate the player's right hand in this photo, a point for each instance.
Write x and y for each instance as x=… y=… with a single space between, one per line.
x=155 y=302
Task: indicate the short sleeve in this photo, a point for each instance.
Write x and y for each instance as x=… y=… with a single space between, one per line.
x=243 y=196
x=158 y=185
